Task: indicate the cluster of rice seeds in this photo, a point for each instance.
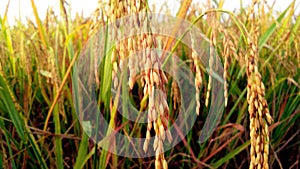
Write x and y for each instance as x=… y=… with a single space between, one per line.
x=137 y=43
x=116 y=10
x=153 y=77
x=128 y=46
x=94 y=22
x=228 y=50
x=258 y=111
x=260 y=117
x=149 y=62
x=213 y=44
x=175 y=94
x=198 y=76
x=157 y=117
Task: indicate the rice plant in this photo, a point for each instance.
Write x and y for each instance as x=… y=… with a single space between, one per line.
x=108 y=91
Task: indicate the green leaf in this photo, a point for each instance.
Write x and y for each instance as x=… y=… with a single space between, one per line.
x=83 y=147
x=231 y=155
x=10 y=108
x=264 y=38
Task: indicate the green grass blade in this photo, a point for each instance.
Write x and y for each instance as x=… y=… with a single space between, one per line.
x=294 y=30
x=9 y=44
x=37 y=151
x=266 y=35
x=41 y=28
x=231 y=155
x=6 y=98
x=286 y=21
x=82 y=151
x=8 y=146
x=58 y=139
x=107 y=70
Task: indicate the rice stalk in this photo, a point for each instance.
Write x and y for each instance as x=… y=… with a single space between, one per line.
x=260 y=118
x=213 y=44
x=198 y=76
x=175 y=94
x=228 y=50
x=32 y=70
x=151 y=77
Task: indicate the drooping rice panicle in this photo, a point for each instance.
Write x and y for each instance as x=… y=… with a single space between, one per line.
x=198 y=76
x=213 y=44
x=260 y=117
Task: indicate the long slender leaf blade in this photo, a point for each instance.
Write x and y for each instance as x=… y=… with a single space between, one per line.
x=14 y=115
x=231 y=155
x=82 y=151
x=266 y=35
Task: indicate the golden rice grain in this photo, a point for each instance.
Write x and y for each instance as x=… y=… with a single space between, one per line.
x=258 y=108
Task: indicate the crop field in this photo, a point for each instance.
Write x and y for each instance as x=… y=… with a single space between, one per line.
x=136 y=86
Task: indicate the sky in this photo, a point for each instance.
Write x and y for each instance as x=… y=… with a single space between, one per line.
x=22 y=8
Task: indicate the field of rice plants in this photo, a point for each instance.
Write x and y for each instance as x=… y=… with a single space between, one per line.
x=128 y=88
